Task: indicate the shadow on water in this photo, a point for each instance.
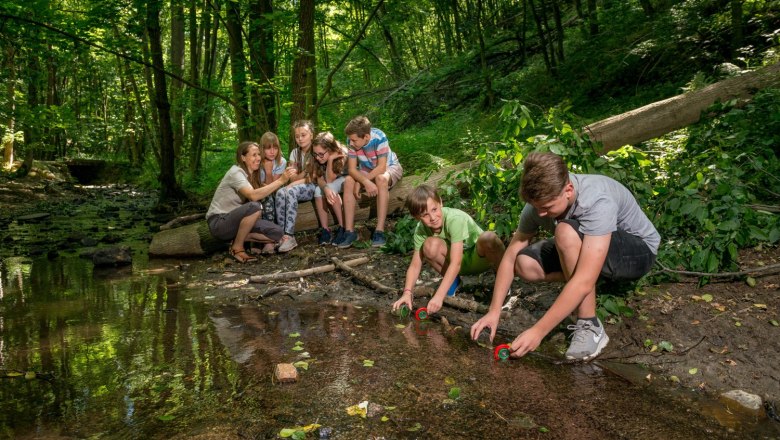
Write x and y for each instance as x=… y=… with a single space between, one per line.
x=129 y=355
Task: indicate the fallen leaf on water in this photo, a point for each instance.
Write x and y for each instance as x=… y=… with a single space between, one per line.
x=454 y=393
x=294 y=335
x=417 y=426
x=449 y=380
x=695 y=322
x=774 y=322
x=750 y=281
x=719 y=307
x=730 y=362
x=665 y=346
x=693 y=371
x=384 y=418
x=760 y=306
x=273 y=313
x=297 y=348
x=674 y=379
x=298 y=343
x=368 y=363
x=706 y=297
x=400 y=326
x=301 y=364
x=738 y=324
x=166 y=418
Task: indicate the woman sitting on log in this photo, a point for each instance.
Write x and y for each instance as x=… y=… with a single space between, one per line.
x=234 y=213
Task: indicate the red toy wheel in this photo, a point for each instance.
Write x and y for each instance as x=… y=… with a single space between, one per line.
x=501 y=352
x=421 y=314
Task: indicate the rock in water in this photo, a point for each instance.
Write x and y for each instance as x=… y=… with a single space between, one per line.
x=115 y=256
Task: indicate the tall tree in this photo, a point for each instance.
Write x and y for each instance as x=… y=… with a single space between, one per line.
x=169 y=187
x=9 y=65
x=238 y=71
x=304 y=96
x=177 y=68
x=262 y=57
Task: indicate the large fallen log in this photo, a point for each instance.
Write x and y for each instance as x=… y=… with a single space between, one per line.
x=193 y=240
x=679 y=111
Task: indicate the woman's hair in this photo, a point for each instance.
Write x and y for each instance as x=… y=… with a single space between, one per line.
x=359 y=125
x=327 y=141
x=544 y=176
x=417 y=200
x=267 y=141
x=243 y=150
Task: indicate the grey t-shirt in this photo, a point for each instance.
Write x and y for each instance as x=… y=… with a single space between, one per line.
x=602 y=206
x=226 y=197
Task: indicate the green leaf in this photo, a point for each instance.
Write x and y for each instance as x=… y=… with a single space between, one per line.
x=286 y=432
x=648 y=343
x=751 y=281
x=301 y=364
x=166 y=418
x=454 y=393
x=417 y=426
x=294 y=335
x=297 y=348
x=665 y=346
x=693 y=371
x=368 y=363
x=706 y=297
x=774 y=322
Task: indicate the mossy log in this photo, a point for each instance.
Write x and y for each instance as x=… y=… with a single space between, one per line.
x=194 y=240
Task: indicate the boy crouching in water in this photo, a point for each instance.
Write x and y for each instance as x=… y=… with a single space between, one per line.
x=451 y=242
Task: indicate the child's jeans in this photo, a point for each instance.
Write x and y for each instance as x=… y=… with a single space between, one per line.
x=287 y=199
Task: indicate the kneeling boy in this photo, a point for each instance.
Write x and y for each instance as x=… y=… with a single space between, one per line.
x=450 y=241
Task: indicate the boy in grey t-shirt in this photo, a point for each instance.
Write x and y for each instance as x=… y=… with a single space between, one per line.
x=599 y=231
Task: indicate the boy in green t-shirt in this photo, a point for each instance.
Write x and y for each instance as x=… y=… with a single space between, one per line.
x=451 y=242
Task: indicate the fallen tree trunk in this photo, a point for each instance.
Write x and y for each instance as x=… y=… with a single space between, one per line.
x=189 y=240
x=303 y=273
x=671 y=114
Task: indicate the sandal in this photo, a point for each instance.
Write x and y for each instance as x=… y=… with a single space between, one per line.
x=241 y=256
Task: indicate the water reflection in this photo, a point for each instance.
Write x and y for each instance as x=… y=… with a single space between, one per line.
x=112 y=356
x=126 y=354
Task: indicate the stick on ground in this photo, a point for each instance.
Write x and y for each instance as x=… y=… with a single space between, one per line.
x=305 y=272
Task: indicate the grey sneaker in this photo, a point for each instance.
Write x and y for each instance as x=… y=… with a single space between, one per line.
x=288 y=244
x=587 y=341
x=349 y=238
x=378 y=239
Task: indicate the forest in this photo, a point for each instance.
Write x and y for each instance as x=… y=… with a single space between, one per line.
x=167 y=89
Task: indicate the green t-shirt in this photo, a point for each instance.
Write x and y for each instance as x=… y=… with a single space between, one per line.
x=456 y=226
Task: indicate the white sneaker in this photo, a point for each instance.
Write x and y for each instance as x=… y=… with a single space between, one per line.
x=287 y=244
x=587 y=341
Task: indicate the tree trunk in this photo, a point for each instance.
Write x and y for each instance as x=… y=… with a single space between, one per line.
x=662 y=117
x=8 y=139
x=489 y=95
x=177 y=68
x=592 y=18
x=736 y=27
x=396 y=61
x=169 y=187
x=191 y=241
x=238 y=71
x=264 y=96
x=558 y=29
x=303 y=65
x=542 y=38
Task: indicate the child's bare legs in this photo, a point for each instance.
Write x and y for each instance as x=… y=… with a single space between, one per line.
x=434 y=252
x=349 y=203
x=322 y=213
x=382 y=199
x=569 y=244
x=490 y=247
x=337 y=210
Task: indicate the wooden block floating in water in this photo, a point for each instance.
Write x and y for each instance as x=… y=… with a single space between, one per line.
x=286 y=373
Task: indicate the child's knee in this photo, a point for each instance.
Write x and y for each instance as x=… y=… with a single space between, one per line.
x=433 y=246
x=382 y=181
x=528 y=269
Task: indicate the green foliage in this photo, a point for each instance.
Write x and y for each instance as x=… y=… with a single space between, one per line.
x=399 y=239
x=702 y=191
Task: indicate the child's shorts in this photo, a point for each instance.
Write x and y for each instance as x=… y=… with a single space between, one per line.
x=336 y=186
x=395 y=172
x=472 y=263
x=628 y=257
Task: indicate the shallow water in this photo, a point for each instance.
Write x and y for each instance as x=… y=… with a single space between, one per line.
x=127 y=354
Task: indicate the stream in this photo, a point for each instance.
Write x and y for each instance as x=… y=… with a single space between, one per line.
x=131 y=352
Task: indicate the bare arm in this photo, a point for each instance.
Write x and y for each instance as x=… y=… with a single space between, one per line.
x=504 y=277
x=412 y=273
x=255 y=194
x=591 y=260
